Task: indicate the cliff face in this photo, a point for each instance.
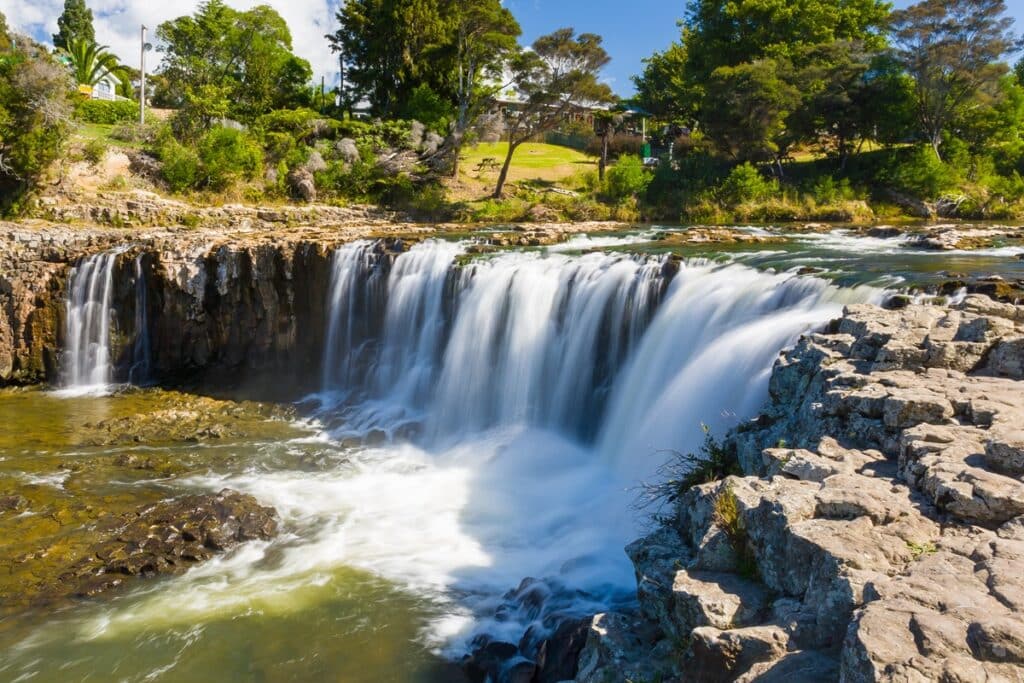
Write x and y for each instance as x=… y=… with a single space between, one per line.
x=878 y=532
x=223 y=308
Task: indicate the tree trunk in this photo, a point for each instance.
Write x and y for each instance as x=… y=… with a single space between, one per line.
x=457 y=139
x=936 y=142
x=503 y=176
x=604 y=158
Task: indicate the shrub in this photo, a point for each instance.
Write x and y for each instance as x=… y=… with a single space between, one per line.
x=921 y=174
x=228 y=155
x=827 y=190
x=34 y=117
x=683 y=471
x=429 y=108
x=746 y=184
x=729 y=518
x=180 y=165
x=627 y=178
x=107 y=112
x=135 y=133
x=95 y=150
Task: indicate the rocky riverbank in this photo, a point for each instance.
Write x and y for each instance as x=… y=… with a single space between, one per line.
x=877 y=531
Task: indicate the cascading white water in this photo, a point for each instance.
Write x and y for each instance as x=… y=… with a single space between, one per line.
x=547 y=386
x=351 y=277
x=86 y=362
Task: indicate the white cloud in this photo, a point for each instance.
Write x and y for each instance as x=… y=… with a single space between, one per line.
x=117 y=23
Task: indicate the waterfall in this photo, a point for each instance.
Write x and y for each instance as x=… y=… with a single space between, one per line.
x=519 y=338
x=86 y=362
x=707 y=358
x=353 y=279
x=141 y=350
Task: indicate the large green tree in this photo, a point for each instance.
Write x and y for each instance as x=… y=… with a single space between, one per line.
x=746 y=109
x=74 y=23
x=720 y=33
x=558 y=76
x=663 y=89
x=953 y=51
x=389 y=48
x=225 y=62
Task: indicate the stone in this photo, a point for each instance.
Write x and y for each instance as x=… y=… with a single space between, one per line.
x=717 y=655
x=721 y=600
x=168 y=538
x=618 y=648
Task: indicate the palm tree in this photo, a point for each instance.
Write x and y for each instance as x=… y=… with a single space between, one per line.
x=90 y=63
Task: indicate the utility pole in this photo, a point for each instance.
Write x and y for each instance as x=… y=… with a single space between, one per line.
x=142 y=79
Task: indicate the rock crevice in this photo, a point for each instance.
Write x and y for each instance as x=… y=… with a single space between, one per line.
x=878 y=531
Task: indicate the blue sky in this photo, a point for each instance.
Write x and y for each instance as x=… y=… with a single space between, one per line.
x=632 y=29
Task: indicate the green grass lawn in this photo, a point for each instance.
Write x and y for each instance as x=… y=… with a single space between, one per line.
x=533 y=162
x=99 y=131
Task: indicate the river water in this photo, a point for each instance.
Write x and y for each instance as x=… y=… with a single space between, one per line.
x=478 y=423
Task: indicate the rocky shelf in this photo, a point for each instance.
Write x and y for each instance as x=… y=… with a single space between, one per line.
x=877 y=531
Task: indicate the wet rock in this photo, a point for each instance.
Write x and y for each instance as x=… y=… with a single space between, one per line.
x=558 y=655
x=168 y=538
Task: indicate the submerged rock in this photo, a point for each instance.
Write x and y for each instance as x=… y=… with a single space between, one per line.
x=168 y=538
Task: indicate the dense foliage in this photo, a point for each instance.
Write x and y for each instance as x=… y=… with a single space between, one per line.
x=225 y=63
x=758 y=82
x=107 y=111
x=35 y=113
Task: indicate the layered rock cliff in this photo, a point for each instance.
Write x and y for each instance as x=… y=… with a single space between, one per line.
x=877 y=532
x=220 y=305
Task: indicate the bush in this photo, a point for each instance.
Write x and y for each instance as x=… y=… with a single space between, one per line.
x=827 y=190
x=921 y=174
x=228 y=155
x=34 y=116
x=746 y=184
x=429 y=108
x=627 y=178
x=180 y=165
x=95 y=150
x=107 y=112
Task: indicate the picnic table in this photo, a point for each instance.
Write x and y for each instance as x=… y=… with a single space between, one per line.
x=487 y=164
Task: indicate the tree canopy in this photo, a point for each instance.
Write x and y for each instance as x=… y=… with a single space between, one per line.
x=953 y=50
x=74 y=23
x=225 y=62
x=390 y=47
x=557 y=76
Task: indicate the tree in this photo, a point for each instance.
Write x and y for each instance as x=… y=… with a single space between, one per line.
x=485 y=36
x=225 y=62
x=1019 y=70
x=606 y=123
x=663 y=89
x=74 y=23
x=389 y=48
x=720 y=33
x=746 y=109
x=91 y=63
x=557 y=77
x=952 y=49
x=35 y=115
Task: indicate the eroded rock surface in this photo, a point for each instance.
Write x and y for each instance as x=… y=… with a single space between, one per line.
x=167 y=538
x=878 y=534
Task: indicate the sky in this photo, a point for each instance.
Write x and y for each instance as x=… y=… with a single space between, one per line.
x=632 y=30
